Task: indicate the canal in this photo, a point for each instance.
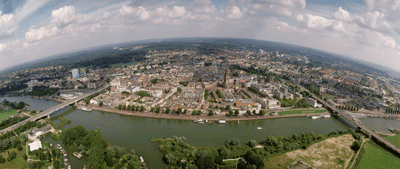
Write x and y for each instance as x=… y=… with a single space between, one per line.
x=135 y=132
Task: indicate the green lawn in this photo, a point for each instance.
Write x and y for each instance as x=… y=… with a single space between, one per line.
x=7 y=113
x=17 y=162
x=376 y=157
x=328 y=96
x=301 y=112
x=393 y=139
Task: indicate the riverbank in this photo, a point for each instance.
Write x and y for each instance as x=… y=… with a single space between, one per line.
x=192 y=117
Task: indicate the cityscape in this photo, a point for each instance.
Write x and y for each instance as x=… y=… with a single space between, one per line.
x=201 y=101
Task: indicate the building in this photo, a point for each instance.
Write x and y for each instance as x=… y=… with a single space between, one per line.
x=312 y=102
x=82 y=72
x=75 y=73
x=36 y=145
x=226 y=78
x=156 y=93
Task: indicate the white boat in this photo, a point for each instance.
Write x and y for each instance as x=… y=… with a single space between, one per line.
x=259 y=128
x=327 y=116
x=315 y=117
x=200 y=121
x=221 y=121
x=84 y=109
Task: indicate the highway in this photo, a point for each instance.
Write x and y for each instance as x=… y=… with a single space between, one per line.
x=51 y=110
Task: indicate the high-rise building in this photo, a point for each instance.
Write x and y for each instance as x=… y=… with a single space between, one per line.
x=75 y=73
x=277 y=54
x=226 y=78
x=82 y=72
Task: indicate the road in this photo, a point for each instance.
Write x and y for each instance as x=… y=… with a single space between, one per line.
x=51 y=110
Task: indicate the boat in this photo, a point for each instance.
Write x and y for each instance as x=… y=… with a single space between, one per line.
x=221 y=121
x=315 y=117
x=327 y=116
x=84 y=109
x=200 y=121
x=259 y=128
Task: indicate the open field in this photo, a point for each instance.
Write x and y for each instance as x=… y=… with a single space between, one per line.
x=393 y=139
x=331 y=153
x=7 y=113
x=17 y=163
x=376 y=157
x=301 y=112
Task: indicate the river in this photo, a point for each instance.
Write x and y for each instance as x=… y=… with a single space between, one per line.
x=135 y=132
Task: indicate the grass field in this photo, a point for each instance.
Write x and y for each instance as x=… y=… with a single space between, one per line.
x=16 y=163
x=331 y=153
x=7 y=113
x=376 y=157
x=301 y=112
x=393 y=139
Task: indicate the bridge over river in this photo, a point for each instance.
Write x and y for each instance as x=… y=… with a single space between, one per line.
x=52 y=110
x=336 y=111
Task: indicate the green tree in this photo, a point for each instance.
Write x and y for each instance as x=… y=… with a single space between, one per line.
x=101 y=103
x=167 y=110
x=124 y=107
x=248 y=112
x=158 y=109
x=184 y=111
x=120 y=106
x=142 y=108
x=254 y=112
x=152 y=109
x=228 y=107
x=179 y=89
x=236 y=112
x=210 y=113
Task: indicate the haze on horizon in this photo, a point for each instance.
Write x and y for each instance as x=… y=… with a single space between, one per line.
x=367 y=30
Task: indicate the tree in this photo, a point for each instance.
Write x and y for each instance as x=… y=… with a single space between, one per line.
x=152 y=109
x=210 y=113
x=167 y=110
x=199 y=112
x=228 y=107
x=184 y=111
x=120 y=106
x=101 y=103
x=179 y=111
x=128 y=108
x=236 y=112
x=262 y=112
x=230 y=113
x=142 y=108
x=158 y=109
x=133 y=107
x=179 y=89
x=124 y=107
x=254 y=112
x=252 y=143
x=19 y=147
x=248 y=112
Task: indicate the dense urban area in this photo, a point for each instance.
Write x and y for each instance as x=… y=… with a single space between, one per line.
x=205 y=82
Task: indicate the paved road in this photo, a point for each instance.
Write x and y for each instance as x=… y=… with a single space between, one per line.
x=51 y=110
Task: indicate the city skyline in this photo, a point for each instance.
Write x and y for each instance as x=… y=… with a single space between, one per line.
x=364 y=30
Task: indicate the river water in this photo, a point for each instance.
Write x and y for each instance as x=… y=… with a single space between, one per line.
x=135 y=132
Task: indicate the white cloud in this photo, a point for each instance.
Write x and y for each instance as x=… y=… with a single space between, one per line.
x=314 y=21
x=342 y=15
x=373 y=20
x=234 y=12
x=7 y=24
x=64 y=16
x=140 y=12
x=177 y=11
x=2 y=46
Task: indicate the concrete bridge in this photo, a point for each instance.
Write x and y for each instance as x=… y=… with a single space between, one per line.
x=336 y=111
x=52 y=110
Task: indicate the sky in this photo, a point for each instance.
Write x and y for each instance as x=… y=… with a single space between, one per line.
x=362 y=29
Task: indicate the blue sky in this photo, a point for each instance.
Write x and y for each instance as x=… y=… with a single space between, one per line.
x=362 y=29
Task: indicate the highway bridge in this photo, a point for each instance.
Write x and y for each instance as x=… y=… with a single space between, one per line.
x=336 y=111
x=52 y=110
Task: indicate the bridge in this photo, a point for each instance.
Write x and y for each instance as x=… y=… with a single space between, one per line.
x=51 y=110
x=362 y=127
